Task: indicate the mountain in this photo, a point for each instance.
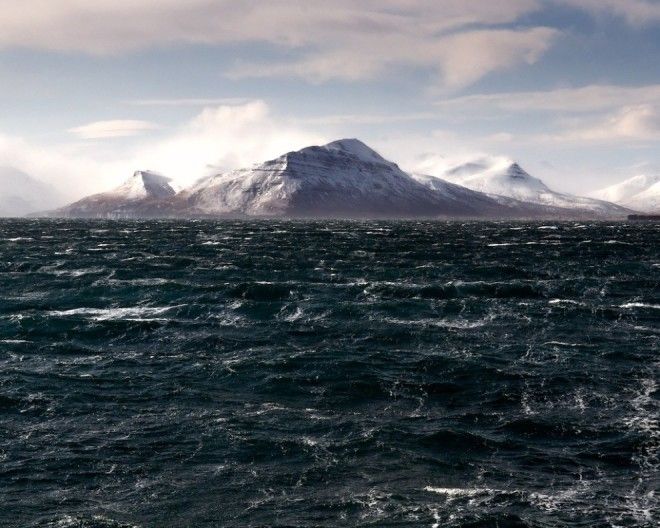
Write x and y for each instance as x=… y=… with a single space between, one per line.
x=21 y=194
x=641 y=193
x=503 y=180
x=344 y=178
x=143 y=194
x=647 y=201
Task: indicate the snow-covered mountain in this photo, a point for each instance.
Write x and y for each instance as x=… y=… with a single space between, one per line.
x=145 y=184
x=641 y=193
x=143 y=194
x=21 y=194
x=344 y=178
x=503 y=180
x=647 y=201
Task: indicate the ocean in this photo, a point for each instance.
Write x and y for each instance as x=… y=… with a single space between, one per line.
x=158 y=374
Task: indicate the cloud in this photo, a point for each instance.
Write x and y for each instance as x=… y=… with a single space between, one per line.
x=459 y=59
x=112 y=129
x=221 y=138
x=109 y=26
x=218 y=138
x=596 y=113
x=467 y=57
x=65 y=167
x=190 y=101
x=368 y=119
x=583 y=99
x=635 y=12
x=635 y=122
x=463 y=40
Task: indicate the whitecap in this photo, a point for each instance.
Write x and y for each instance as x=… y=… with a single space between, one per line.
x=295 y=316
x=565 y=344
x=132 y=313
x=641 y=305
x=458 y=324
x=77 y=272
x=565 y=301
x=134 y=282
x=465 y=492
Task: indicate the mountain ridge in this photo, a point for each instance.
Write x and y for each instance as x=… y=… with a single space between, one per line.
x=640 y=192
x=144 y=191
x=342 y=179
x=505 y=179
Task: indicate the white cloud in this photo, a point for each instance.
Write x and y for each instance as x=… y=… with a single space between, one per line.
x=190 y=101
x=116 y=128
x=221 y=138
x=367 y=119
x=65 y=167
x=596 y=113
x=635 y=12
x=218 y=138
x=459 y=59
x=636 y=122
x=342 y=39
x=583 y=99
x=111 y=26
x=467 y=57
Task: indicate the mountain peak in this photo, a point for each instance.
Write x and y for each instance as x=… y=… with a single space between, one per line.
x=357 y=148
x=145 y=184
x=516 y=172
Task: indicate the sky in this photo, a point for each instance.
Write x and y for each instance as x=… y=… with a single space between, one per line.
x=94 y=90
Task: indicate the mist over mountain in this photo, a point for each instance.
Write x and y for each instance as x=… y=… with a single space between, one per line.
x=140 y=195
x=21 y=194
x=504 y=179
x=641 y=193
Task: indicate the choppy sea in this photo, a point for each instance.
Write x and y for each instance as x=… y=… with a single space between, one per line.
x=208 y=374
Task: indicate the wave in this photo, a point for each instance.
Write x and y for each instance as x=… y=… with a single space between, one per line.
x=641 y=305
x=458 y=324
x=465 y=492
x=459 y=289
x=92 y=521
x=131 y=313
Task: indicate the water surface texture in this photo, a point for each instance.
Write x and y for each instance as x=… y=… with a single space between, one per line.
x=202 y=374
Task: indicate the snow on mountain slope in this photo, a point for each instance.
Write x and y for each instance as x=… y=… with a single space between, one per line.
x=641 y=193
x=453 y=191
x=647 y=201
x=355 y=147
x=342 y=178
x=626 y=190
x=143 y=194
x=145 y=184
x=21 y=194
x=501 y=177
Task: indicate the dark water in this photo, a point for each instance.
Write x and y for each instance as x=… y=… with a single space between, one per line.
x=164 y=374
